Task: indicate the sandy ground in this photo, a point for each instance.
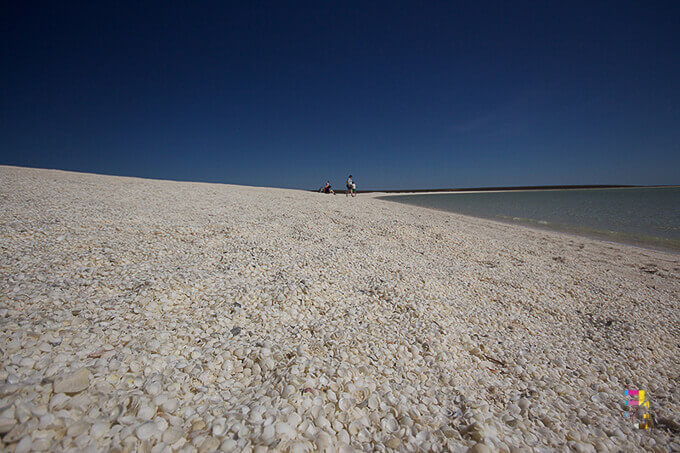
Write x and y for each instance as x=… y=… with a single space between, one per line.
x=144 y=315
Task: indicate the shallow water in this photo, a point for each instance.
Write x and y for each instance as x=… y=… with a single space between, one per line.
x=647 y=217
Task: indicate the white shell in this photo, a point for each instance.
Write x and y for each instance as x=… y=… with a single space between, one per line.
x=146 y=430
x=345 y=404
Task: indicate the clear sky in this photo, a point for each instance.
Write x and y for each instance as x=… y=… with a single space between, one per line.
x=289 y=94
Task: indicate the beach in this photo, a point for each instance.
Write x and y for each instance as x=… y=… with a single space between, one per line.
x=642 y=216
x=142 y=315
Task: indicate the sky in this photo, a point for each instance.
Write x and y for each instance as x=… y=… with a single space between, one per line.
x=403 y=95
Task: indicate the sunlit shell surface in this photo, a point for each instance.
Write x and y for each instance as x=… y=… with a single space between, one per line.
x=146 y=315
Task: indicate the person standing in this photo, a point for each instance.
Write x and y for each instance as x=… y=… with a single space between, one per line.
x=351 y=187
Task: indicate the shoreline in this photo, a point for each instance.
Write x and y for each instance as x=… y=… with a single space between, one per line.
x=509 y=189
x=143 y=314
x=595 y=235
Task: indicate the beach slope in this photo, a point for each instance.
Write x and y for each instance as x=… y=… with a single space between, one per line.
x=141 y=314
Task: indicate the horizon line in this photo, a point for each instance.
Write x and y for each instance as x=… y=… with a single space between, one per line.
x=456 y=189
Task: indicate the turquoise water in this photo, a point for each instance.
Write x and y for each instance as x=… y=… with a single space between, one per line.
x=641 y=216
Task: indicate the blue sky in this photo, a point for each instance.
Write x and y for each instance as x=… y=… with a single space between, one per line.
x=401 y=94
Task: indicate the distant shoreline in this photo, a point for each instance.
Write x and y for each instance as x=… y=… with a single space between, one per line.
x=507 y=189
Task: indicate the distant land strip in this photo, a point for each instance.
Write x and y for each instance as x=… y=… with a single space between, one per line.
x=504 y=188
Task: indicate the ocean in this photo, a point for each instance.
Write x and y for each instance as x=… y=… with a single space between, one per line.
x=648 y=217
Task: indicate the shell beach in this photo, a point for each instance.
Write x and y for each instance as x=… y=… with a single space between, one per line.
x=148 y=315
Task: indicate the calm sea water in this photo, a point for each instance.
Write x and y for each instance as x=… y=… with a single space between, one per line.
x=648 y=217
